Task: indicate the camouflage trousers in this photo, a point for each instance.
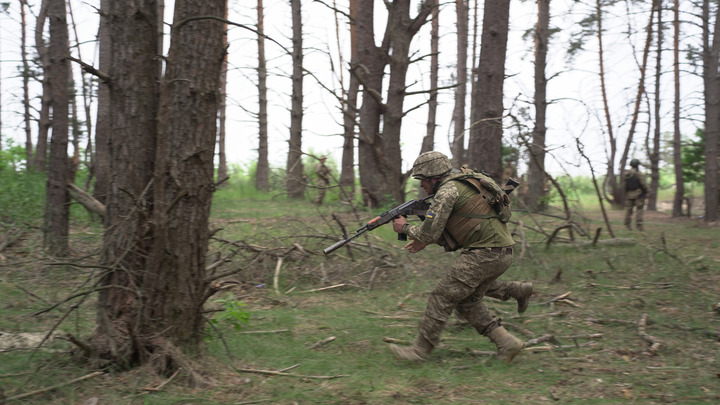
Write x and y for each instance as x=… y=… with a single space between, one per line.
x=321 y=187
x=462 y=288
x=630 y=204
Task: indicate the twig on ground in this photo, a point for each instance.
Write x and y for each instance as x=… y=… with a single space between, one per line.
x=654 y=342
x=396 y=341
x=40 y=391
x=322 y=343
x=542 y=339
x=557 y=298
x=280 y=373
x=276 y=277
x=252 y=332
x=166 y=382
x=324 y=288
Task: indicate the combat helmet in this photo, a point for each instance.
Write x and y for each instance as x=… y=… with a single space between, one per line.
x=634 y=163
x=431 y=164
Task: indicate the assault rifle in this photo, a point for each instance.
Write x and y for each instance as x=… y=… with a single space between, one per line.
x=412 y=207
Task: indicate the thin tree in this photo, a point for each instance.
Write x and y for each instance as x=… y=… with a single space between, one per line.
x=222 y=109
x=349 y=108
x=654 y=150
x=428 y=142
x=711 y=79
x=262 y=174
x=677 y=153
x=101 y=163
x=486 y=131
x=536 y=167
x=458 y=117
x=26 y=85
x=57 y=204
x=40 y=159
x=294 y=182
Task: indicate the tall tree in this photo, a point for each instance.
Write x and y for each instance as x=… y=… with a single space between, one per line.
x=57 y=204
x=295 y=183
x=536 y=166
x=711 y=79
x=428 y=142
x=222 y=109
x=486 y=131
x=654 y=150
x=458 y=117
x=349 y=108
x=40 y=158
x=101 y=163
x=677 y=155
x=262 y=174
x=379 y=154
x=26 y=84
x=156 y=238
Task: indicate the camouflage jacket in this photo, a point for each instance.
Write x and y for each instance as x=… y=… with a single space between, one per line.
x=635 y=184
x=490 y=232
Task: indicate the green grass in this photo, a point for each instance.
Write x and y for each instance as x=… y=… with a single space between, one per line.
x=668 y=276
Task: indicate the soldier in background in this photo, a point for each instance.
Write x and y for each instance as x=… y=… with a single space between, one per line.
x=323 y=174
x=635 y=192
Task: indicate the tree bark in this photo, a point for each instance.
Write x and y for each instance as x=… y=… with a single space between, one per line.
x=485 y=146
x=458 y=141
x=677 y=153
x=428 y=142
x=262 y=174
x=57 y=208
x=40 y=162
x=654 y=151
x=295 y=181
x=347 y=166
x=26 y=85
x=222 y=109
x=101 y=163
x=711 y=79
x=536 y=167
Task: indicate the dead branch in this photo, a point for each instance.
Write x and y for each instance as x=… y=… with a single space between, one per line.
x=581 y=149
x=40 y=391
x=10 y=238
x=324 y=288
x=557 y=298
x=252 y=332
x=542 y=339
x=280 y=373
x=396 y=341
x=518 y=328
x=164 y=383
x=654 y=342
x=322 y=343
x=86 y=200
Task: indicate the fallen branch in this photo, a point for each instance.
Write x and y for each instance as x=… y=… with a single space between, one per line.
x=324 y=288
x=396 y=341
x=166 y=382
x=280 y=373
x=276 y=277
x=654 y=342
x=322 y=343
x=251 y=332
x=542 y=339
x=557 y=298
x=40 y=391
x=86 y=200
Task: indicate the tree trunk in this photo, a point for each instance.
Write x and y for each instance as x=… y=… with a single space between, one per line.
x=379 y=155
x=40 y=162
x=222 y=107
x=347 y=166
x=677 y=153
x=485 y=146
x=654 y=151
x=458 y=117
x=711 y=78
x=26 y=86
x=176 y=288
x=57 y=204
x=121 y=337
x=262 y=174
x=428 y=143
x=536 y=167
x=101 y=163
x=295 y=181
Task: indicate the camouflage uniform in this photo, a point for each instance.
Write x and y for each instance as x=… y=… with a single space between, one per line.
x=323 y=174
x=487 y=256
x=635 y=192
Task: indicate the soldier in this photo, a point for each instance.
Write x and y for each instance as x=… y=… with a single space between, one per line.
x=461 y=217
x=323 y=174
x=635 y=192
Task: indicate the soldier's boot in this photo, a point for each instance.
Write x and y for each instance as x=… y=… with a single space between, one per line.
x=508 y=346
x=522 y=294
x=418 y=351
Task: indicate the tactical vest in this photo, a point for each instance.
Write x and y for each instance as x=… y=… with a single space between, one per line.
x=632 y=183
x=489 y=202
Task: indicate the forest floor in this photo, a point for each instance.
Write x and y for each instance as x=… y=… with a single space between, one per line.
x=632 y=319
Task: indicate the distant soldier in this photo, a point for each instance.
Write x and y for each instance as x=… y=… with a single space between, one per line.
x=635 y=192
x=323 y=174
x=508 y=171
